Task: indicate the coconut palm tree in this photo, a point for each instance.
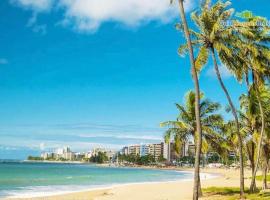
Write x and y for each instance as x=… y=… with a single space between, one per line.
x=184 y=127
x=255 y=54
x=252 y=105
x=249 y=125
x=197 y=100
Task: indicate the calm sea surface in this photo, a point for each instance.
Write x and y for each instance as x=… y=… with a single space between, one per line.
x=22 y=179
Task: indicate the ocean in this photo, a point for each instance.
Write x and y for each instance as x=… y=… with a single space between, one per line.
x=26 y=179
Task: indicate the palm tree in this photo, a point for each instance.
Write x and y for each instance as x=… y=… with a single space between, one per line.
x=249 y=125
x=184 y=127
x=197 y=100
x=256 y=55
x=214 y=39
x=252 y=105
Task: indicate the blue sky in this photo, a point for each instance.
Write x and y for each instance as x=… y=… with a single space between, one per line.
x=94 y=73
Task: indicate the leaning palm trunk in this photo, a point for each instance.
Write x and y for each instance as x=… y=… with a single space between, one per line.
x=240 y=143
x=196 y=186
x=253 y=181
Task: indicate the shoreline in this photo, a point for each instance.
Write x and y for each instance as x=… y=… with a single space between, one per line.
x=54 y=161
x=105 y=188
x=169 y=190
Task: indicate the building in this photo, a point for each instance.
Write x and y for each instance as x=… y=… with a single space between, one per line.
x=59 y=151
x=79 y=156
x=134 y=150
x=64 y=153
x=155 y=150
x=144 y=150
x=88 y=154
x=170 y=153
x=165 y=147
x=110 y=154
x=46 y=155
x=68 y=155
x=124 y=151
x=191 y=149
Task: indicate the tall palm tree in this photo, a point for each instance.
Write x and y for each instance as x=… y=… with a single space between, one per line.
x=184 y=127
x=213 y=39
x=256 y=55
x=249 y=124
x=256 y=107
x=197 y=100
x=185 y=124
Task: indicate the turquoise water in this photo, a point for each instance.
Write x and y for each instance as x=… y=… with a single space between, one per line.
x=37 y=179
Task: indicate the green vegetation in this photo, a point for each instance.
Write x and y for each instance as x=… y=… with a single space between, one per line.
x=260 y=178
x=34 y=158
x=100 y=158
x=138 y=160
x=232 y=193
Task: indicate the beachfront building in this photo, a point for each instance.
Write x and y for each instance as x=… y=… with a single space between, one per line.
x=124 y=150
x=134 y=150
x=144 y=150
x=170 y=153
x=79 y=155
x=191 y=149
x=157 y=150
x=110 y=154
x=46 y=155
x=88 y=154
x=68 y=155
x=64 y=153
x=166 y=151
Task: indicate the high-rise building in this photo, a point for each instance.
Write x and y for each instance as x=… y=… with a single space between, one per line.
x=165 y=147
x=158 y=150
x=68 y=155
x=170 y=153
x=144 y=149
x=155 y=150
x=124 y=151
x=134 y=150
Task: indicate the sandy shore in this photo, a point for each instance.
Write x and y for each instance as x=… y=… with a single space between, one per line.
x=155 y=191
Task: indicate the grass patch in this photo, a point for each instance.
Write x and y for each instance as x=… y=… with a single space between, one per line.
x=231 y=193
x=260 y=178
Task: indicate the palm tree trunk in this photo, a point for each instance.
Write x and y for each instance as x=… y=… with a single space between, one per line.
x=196 y=186
x=251 y=152
x=240 y=142
x=253 y=180
x=264 y=185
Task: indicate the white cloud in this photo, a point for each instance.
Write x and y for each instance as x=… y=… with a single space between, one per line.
x=36 y=5
x=3 y=61
x=124 y=136
x=225 y=73
x=89 y=15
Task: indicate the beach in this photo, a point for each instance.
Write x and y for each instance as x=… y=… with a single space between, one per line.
x=155 y=191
